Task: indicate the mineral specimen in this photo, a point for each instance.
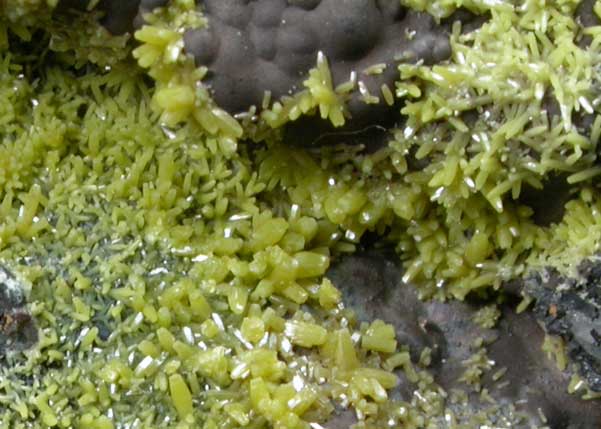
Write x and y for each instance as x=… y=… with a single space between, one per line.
x=179 y=247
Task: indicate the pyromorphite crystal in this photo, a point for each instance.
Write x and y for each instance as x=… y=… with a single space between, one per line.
x=379 y=337
x=328 y=295
x=305 y=334
x=339 y=347
x=311 y=264
x=180 y=395
x=253 y=329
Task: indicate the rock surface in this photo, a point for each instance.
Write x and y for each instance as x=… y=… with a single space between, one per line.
x=571 y=308
x=254 y=46
x=371 y=285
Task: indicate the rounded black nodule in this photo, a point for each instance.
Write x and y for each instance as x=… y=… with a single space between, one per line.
x=256 y=46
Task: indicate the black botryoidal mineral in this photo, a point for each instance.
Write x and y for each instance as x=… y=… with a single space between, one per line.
x=251 y=47
x=254 y=46
x=17 y=328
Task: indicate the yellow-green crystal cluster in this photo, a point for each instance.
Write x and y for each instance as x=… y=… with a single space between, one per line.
x=176 y=267
x=477 y=125
x=166 y=293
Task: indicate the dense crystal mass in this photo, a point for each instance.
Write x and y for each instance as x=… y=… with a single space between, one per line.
x=173 y=257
